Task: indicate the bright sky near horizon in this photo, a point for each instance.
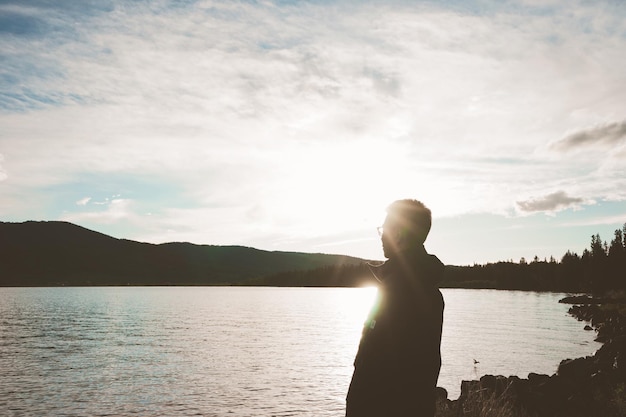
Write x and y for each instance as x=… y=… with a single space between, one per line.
x=291 y=125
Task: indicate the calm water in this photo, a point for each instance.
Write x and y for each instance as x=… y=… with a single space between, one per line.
x=243 y=351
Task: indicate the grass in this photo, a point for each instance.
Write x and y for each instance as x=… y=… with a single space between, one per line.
x=480 y=402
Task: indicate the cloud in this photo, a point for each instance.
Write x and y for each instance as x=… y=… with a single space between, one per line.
x=607 y=135
x=116 y=210
x=21 y=25
x=614 y=219
x=83 y=201
x=36 y=37
x=332 y=107
x=3 y=175
x=552 y=202
x=621 y=154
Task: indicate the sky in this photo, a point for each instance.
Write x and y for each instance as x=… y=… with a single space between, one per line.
x=292 y=125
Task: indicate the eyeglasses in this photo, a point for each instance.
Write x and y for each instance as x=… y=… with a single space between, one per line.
x=391 y=230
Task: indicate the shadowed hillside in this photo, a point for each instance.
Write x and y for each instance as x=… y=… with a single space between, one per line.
x=60 y=253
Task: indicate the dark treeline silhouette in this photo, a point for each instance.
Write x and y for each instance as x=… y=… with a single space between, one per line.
x=59 y=253
x=600 y=268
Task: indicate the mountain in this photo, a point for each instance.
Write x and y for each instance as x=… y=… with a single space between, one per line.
x=60 y=253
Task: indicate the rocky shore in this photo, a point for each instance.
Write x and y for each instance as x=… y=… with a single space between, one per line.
x=591 y=386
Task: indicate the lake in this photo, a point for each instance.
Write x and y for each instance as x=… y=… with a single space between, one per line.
x=240 y=351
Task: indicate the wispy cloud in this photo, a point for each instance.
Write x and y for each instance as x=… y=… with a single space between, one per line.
x=83 y=201
x=116 y=210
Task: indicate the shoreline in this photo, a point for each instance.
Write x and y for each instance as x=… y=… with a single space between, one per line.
x=588 y=386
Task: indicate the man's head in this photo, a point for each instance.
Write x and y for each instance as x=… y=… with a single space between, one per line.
x=406 y=226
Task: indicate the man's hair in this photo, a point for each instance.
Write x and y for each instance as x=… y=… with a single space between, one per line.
x=413 y=216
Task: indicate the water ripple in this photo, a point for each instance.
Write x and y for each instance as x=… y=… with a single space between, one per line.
x=241 y=351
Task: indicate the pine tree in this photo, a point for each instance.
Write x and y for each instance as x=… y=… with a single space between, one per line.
x=617 y=245
x=597 y=247
x=617 y=260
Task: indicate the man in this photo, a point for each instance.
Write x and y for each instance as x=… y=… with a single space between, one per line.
x=398 y=361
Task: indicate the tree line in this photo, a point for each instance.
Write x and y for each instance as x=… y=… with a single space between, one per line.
x=599 y=268
x=602 y=267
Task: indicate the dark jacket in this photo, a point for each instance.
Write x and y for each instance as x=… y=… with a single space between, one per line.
x=398 y=361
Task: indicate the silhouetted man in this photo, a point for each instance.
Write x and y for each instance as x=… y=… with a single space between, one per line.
x=398 y=361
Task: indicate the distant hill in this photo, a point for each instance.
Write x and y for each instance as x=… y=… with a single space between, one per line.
x=60 y=253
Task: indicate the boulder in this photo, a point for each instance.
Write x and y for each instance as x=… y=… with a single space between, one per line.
x=578 y=370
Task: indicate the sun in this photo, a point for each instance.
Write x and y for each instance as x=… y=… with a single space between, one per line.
x=341 y=185
x=330 y=195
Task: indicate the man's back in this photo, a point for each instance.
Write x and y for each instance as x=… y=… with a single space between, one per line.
x=398 y=361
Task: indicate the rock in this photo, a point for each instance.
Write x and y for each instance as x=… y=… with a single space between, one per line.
x=591 y=386
x=468 y=387
x=441 y=393
x=538 y=379
x=443 y=404
x=579 y=299
x=578 y=369
x=488 y=382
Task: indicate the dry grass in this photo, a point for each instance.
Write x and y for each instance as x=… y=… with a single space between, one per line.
x=481 y=403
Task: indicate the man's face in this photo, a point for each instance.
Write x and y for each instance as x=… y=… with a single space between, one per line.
x=392 y=237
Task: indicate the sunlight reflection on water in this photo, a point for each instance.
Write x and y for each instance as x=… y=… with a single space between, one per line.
x=242 y=351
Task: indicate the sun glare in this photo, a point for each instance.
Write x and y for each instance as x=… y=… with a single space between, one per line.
x=359 y=301
x=339 y=186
